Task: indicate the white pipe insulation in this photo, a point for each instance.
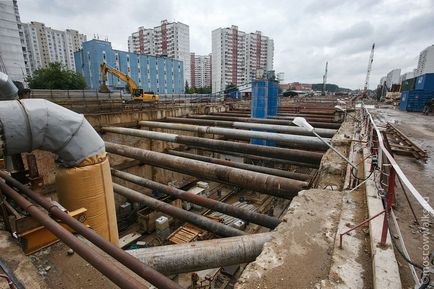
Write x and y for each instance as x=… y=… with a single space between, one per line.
x=8 y=90
x=30 y=124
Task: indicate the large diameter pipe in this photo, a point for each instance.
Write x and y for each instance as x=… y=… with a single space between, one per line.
x=259 y=169
x=260 y=219
x=201 y=255
x=8 y=90
x=324 y=132
x=143 y=270
x=309 y=118
x=30 y=124
x=198 y=142
x=110 y=270
x=295 y=141
x=265 y=120
x=197 y=220
x=258 y=182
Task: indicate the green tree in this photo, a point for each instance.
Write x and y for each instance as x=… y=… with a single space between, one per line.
x=56 y=76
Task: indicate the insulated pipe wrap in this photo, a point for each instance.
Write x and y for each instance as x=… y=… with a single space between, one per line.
x=8 y=90
x=40 y=124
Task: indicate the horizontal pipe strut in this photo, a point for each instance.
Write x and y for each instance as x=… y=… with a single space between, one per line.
x=110 y=270
x=258 y=182
x=197 y=220
x=260 y=219
x=144 y=271
x=259 y=169
x=198 y=142
x=201 y=255
x=265 y=120
x=324 y=132
x=296 y=141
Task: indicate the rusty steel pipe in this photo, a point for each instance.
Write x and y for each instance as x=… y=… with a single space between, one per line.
x=201 y=255
x=259 y=169
x=331 y=125
x=198 y=142
x=324 y=132
x=260 y=219
x=258 y=182
x=111 y=271
x=308 y=118
x=197 y=220
x=294 y=141
x=146 y=272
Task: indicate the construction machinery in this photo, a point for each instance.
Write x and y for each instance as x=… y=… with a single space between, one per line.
x=324 y=79
x=368 y=73
x=137 y=94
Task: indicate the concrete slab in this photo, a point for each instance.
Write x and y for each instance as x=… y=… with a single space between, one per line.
x=299 y=254
x=384 y=265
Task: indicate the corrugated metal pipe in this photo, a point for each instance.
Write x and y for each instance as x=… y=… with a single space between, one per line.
x=197 y=220
x=258 y=182
x=213 y=144
x=293 y=141
x=8 y=90
x=31 y=124
x=260 y=219
x=201 y=255
x=249 y=167
x=143 y=270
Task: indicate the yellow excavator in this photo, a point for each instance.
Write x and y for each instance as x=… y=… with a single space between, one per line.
x=137 y=94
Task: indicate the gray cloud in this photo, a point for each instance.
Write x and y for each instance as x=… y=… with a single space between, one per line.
x=306 y=33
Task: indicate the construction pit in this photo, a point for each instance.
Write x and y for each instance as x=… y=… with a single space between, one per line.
x=199 y=201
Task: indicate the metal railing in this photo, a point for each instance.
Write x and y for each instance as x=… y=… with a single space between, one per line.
x=389 y=175
x=91 y=101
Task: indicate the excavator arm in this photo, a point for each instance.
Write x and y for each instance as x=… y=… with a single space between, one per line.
x=132 y=86
x=136 y=93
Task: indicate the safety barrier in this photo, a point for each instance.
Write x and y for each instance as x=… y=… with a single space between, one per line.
x=390 y=174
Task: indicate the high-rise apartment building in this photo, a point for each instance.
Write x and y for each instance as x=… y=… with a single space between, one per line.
x=171 y=39
x=200 y=69
x=237 y=56
x=426 y=61
x=46 y=45
x=13 y=51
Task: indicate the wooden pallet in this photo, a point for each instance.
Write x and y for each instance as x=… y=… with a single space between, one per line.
x=401 y=144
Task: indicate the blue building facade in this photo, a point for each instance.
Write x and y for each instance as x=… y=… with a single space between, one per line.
x=161 y=75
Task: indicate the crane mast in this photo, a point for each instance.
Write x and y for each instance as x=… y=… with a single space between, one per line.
x=368 y=73
x=324 y=79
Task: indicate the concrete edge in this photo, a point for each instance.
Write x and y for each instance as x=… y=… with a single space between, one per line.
x=385 y=271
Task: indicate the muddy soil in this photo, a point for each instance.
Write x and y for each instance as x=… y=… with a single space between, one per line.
x=420 y=129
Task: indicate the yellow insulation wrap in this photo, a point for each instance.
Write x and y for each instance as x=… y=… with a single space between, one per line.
x=90 y=186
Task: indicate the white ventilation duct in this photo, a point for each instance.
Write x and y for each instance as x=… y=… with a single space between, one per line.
x=8 y=90
x=31 y=124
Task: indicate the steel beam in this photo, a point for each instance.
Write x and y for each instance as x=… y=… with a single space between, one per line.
x=324 y=132
x=259 y=169
x=201 y=255
x=192 y=218
x=331 y=125
x=258 y=182
x=198 y=142
x=260 y=219
x=106 y=267
x=294 y=141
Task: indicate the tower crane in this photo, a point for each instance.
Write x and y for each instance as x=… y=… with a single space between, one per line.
x=368 y=73
x=324 y=79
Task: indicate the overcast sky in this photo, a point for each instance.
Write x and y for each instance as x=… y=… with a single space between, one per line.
x=306 y=33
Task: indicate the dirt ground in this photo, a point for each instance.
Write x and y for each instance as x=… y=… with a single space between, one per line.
x=420 y=129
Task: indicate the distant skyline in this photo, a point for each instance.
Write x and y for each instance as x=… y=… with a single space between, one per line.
x=306 y=33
